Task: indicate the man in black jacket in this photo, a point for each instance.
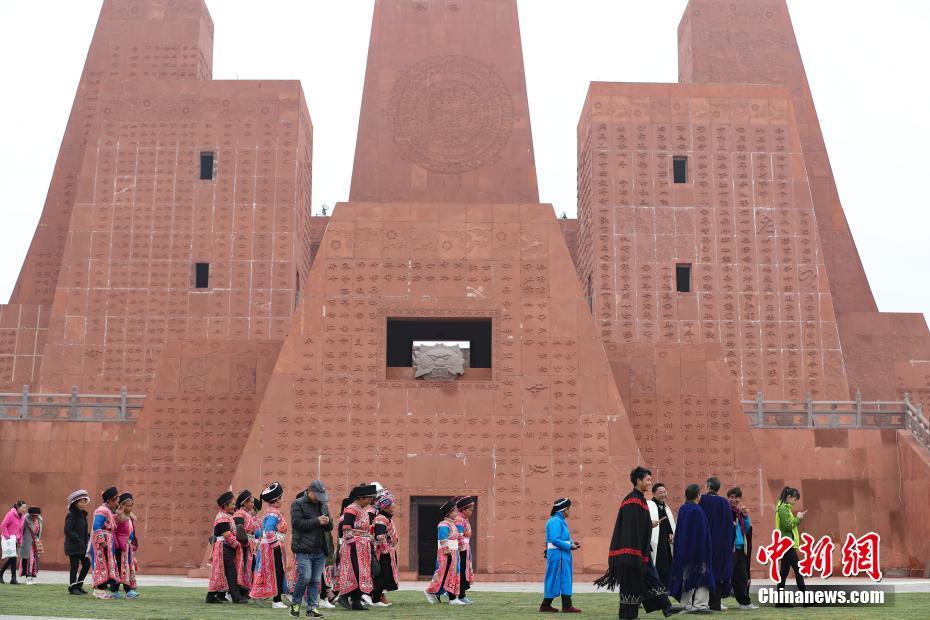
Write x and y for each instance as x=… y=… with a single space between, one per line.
x=310 y=521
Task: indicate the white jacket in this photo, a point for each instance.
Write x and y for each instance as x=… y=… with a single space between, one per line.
x=654 y=515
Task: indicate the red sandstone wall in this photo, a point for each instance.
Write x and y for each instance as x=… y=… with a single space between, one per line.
x=444 y=114
x=42 y=462
x=142 y=218
x=149 y=39
x=744 y=221
x=23 y=330
x=914 y=464
x=752 y=41
x=549 y=423
x=188 y=441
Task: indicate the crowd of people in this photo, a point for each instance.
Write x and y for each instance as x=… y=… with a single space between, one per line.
x=698 y=557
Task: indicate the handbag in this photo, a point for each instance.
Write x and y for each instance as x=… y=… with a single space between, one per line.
x=9 y=547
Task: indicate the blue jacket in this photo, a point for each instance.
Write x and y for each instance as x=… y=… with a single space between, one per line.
x=558 y=560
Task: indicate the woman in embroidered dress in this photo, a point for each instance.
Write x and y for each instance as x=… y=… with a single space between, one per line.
x=385 y=549
x=465 y=507
x=269 y=581
x=126 y=546
x=226 y=559
x=104 y=568
x=354 y=578
x=446 y=578
x=31 y=548
x=246 y=526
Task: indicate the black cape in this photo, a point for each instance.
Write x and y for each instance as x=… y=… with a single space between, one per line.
x=630 y=543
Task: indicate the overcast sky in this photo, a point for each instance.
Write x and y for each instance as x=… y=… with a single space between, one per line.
x=866 y=61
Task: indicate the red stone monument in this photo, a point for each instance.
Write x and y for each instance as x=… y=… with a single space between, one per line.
x=182 y=324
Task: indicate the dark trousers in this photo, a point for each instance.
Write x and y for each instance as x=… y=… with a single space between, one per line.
x=84 y=562
x=464 y=584
x=741 y=577
x=11 y=564
x=229 y=569
x=790 y=561
x=279 y=573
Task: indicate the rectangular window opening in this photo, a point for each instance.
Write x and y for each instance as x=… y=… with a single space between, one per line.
x=406 y=337
x=201 y=275
x=206 y=166
x=683 y=278
x=680 y=168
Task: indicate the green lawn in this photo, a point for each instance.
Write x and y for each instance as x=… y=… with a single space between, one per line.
x=177 y=603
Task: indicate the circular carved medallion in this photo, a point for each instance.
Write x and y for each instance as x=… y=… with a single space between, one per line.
x=450 y=114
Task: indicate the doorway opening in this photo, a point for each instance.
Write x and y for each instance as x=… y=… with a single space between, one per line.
x=424 y=519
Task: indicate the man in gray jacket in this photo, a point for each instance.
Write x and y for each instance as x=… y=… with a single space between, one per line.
x=310 y=521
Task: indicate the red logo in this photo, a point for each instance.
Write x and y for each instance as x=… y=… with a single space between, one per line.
x=861 y=555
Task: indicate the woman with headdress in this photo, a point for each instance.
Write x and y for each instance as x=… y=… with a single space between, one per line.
x=269 y=579
x=31 y=548
x=465 y=506
x=446 y=578
x=354 y=578
x=559 y=547
x=126 y=546
x=227 y=554
x=105 y=569
x=385 y=549
x=246 y=525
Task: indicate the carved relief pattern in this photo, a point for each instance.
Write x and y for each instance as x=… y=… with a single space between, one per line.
x=451 y=114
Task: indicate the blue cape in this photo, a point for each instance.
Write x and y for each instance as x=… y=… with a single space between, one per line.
x=722 y=535
x=691 y=562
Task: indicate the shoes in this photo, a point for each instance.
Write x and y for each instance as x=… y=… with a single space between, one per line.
x=313 y=613
x=432 y=599
x=380 y=604
x=295 y=611
x=343 y=602
x=723 y=607
x=571 y=610
x=74 y=591
x=279 y=605
x=326 y=604
x=358 y=606
x=366 y=599
x=749 y=606
x=671 y=610
x=384 y=599
x=30 y=581
x=547 y=609
x=700 y=610
x=80 y=588
x=103 y=594
x=457 y=601
x=467 y=600
x=132 y=594
x=118 y=595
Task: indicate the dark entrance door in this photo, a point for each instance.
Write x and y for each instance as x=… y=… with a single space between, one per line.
x=424 y=518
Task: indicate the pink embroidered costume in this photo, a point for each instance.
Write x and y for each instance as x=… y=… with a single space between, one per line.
x=269 y=578
x=463 y=525
x=126 y=547
x=385 y=547
x=226 y=558
x=105 y=570
x=249 y=525
x=31 y=547
x=446 y=579
x=355 y=553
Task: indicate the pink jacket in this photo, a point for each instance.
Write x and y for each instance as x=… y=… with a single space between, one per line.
x=123 y=530
x=13 y=525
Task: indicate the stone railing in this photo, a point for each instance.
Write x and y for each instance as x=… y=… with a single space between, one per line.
x=811 y=413
x=72 y=407
x=857 y=413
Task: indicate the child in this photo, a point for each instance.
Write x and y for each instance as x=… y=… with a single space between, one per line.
x=76 y=538
x=31 y=548
x=126 y=546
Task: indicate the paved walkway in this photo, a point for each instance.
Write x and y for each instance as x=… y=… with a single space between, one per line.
x=581 y=585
